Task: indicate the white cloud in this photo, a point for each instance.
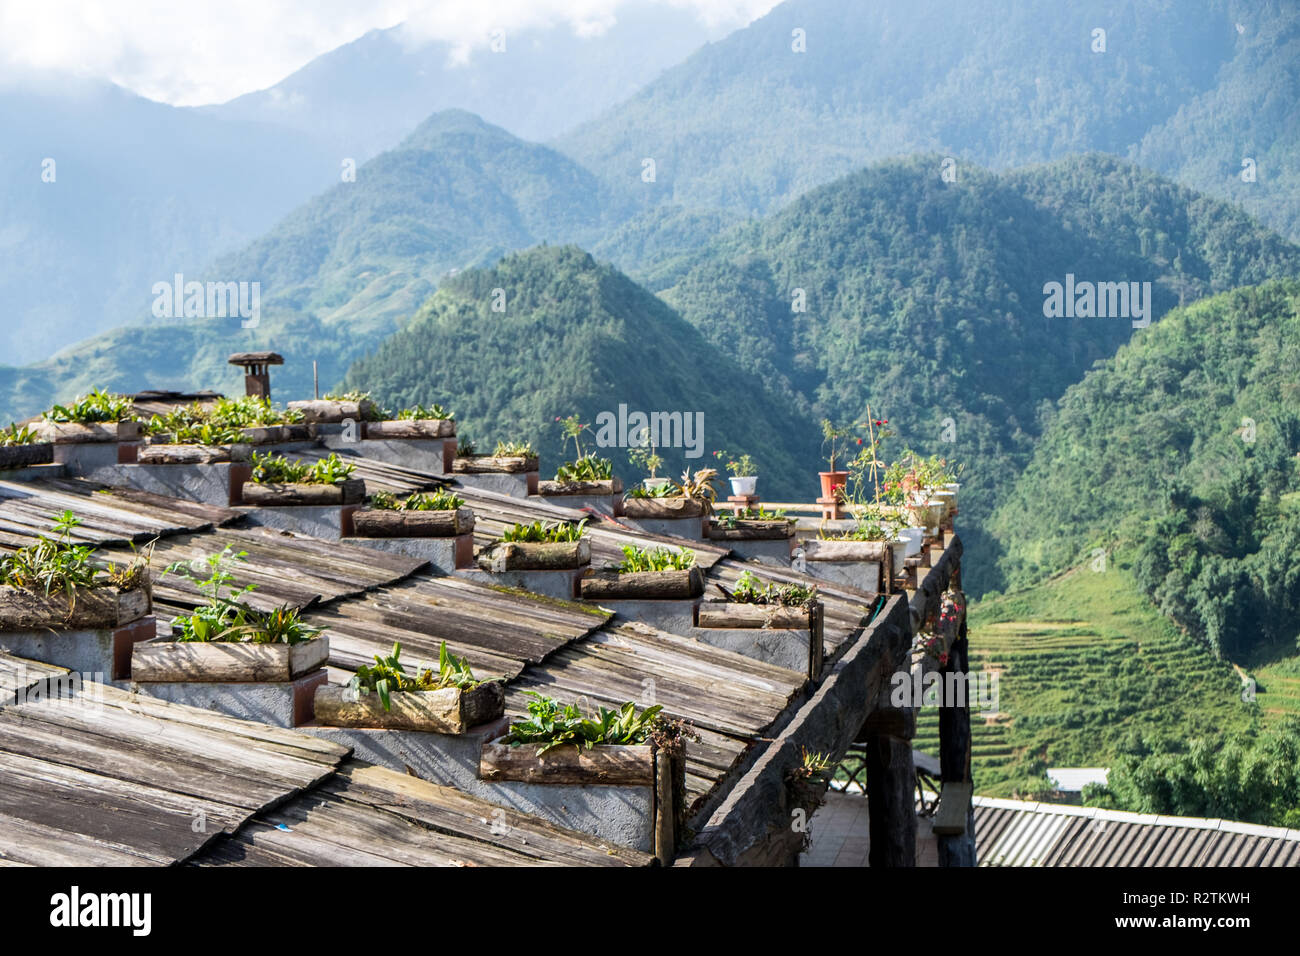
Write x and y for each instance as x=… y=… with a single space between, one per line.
x=209 y=51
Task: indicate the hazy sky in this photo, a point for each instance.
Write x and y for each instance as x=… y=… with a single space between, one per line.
x=190 y=52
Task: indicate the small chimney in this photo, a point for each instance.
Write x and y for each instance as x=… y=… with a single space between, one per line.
x=257 y=375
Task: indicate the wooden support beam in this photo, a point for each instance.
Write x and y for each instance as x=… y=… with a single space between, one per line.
x=891 y=788
x=954 y=804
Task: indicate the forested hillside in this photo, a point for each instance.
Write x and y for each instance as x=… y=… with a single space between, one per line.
x=925 y=298
x=577 y=337
x=1181 y=453
x=818 y=88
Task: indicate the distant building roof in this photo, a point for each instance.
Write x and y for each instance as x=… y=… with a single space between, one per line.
x=1018 y=833
x=1074 y=779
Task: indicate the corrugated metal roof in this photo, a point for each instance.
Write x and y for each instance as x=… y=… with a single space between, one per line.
x=1016 y=833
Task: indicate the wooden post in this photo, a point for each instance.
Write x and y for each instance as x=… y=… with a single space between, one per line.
x=957 y=849
x=315 y=381
x=891 y=790
x=816 y=647
x=669 y=802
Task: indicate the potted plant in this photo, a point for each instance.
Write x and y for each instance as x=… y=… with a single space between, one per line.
x=741 y=472
x=20 y=447
x=807 y=783
x=558 y=743
x=647 y=573
x=587 y=473
x=754 y=604
x=537 y=547
x=449 y=700
x=837 y=437
x=509 y=457
x=692 y=497
x=97 y=417
x=419 y=515
x=416 y=421
x=752 y=524
x=277 y=480
x=225 y=639
x=644 y=456
x=195 y=443
x=56 y=585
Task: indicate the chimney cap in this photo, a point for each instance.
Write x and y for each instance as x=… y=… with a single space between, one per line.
x=256 y=358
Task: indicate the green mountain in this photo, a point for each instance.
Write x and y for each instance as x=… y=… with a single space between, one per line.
x=926 y=299
x=1190 y=89
x=1179 y=455
x=578 y=337
x=345 y=269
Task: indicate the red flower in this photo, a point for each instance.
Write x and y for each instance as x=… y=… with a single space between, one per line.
x=859 y=441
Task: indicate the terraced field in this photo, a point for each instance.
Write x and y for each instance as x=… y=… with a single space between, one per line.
x=1086 y=664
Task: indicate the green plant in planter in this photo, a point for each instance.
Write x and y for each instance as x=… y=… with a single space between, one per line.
x=697 y=485
x=586 y=468
x=838 y=437
x=17 y=435
x=514 y=449
x=552 y=533
x=732 y=519
x=465 y=448
x=421 y=412
x=250 y=411
x=749 y=590
x=813 y=767
x=654 y=559
x=276 y=469
x=53 y=564
x=387 y=676
x=208 y=433
x=440 y=500
x=553 y=725
x=226 y=618
x=94 y=408
x=643 y=454
x=738 y=466
x=669 y=490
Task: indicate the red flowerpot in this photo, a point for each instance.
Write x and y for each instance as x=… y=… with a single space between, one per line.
x=832 y=480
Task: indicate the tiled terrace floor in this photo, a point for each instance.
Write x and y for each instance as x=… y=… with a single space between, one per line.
x=841 y=836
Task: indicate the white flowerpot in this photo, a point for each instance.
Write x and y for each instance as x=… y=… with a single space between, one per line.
x=899 y=547
x=953 y=486
x=913 y=538
x=653 y=484
x=743 y=487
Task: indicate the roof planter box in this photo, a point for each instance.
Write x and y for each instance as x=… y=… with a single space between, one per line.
x=537 y=555
x=449 y=710
x=663 y=508
x=349 y=491
x=322 y=411
x=736 y=614
x=489 y=465
x=21 y=456
x=643 y=585
x=412 y=428
x=606 y=764
x=560 y=489
x=75 y=433
x=377 y=523
x=227 y=661
x=752 y=529
x=168 y=454
x=86 y=609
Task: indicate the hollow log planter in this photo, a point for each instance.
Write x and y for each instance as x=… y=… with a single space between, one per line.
x=514 y=476
x=443 y=538
x=768 y=541
x=548 y=568
x=604 y=496
x=13 y=457
x=663 y=599
x=321 y=411
x=864 y=565
x=86 y=449
x=449 y=710
x=791 y=637
x=644 y=775
x=92 y=633
x=320 y=510
x=271 y=683
x=674 y=517
x=163 y=453
x=427 y=445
